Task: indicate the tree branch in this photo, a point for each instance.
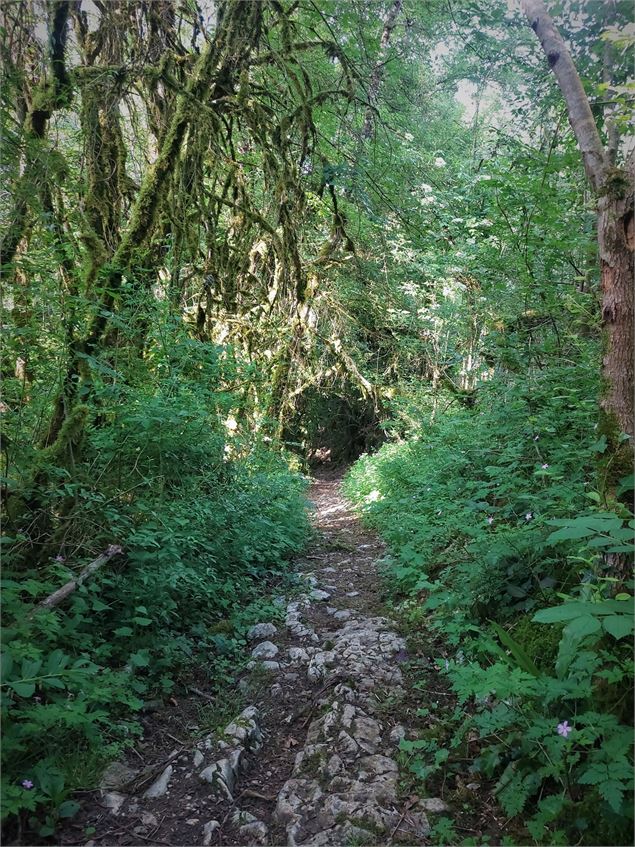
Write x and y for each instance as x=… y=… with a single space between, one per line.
x=580 y=115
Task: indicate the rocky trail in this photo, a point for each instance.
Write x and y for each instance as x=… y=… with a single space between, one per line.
x=313 y=759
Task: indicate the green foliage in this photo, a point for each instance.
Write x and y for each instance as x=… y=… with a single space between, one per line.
x=494 y=533
x=207 y=520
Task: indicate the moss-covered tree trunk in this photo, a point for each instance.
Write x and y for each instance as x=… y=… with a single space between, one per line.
x=211 y=87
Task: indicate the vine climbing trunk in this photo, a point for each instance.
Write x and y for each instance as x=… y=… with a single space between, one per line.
x=613 y=188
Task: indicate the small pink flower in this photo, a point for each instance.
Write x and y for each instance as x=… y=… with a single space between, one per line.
x=529 y=516
x=545 y=466
x=490 y=520
x=26 y=783
x=564 y=729
x=60 y=559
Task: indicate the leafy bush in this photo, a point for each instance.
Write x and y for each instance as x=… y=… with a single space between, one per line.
x=207 y=520
x=496 y=533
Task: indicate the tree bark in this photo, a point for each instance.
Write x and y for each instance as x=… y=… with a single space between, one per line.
x=613 y=188
x=616 y=240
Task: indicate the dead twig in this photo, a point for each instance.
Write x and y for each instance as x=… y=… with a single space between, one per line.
x=256 y=795
x=411 y=802
x=201 y=693
x=333 y=681
x=144 y=838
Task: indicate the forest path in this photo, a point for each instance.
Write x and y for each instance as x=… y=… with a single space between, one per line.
x=313 y=758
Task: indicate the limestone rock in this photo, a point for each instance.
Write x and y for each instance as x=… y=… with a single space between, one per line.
x=160 y=786
x=261 y=630
x=397 y=733
x=342 y=615
x=254 y=833
x=434 y=805
x=117 y=775
x=265 y=650
x=318 y=594
x=208 y=832
x=297 y=655
x=113 y=801
x=243 y=730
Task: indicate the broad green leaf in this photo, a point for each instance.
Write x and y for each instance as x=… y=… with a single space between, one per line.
x=570 y=533
x=582 y=626
x=23 y=689
x=619 y=626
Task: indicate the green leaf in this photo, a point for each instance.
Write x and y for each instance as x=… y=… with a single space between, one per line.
x=140 y=659
x=619 y=626
x=569 y=533
x=23 y=689
x=582 y=626
x=53 y=682
x=576 y=608
x=30 y=667
x=123 y=632
x=68 y=809
x=522 y=659
x=613 y=792
x=58 y=659
x=600 y=445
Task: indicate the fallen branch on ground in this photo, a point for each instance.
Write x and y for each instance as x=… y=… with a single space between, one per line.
x=72 y=585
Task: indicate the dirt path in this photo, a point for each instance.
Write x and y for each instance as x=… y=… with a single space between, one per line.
x=313 y=758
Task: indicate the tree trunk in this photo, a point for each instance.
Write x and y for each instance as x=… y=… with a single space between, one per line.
x=616 y=240
x=613 y=189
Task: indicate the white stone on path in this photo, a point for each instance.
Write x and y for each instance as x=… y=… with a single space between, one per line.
x=318 y=594
x=265 y=650
x=261 y=630
x=160 y=786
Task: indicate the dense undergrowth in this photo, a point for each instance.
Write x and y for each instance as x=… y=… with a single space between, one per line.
x=206 y=521
x=500 y=541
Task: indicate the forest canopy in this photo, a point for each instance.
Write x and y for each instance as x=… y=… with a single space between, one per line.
x=242 y=237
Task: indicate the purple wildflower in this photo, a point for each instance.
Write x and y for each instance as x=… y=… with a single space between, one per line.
x=564 y=729
x=490 y=520
x=26 y=783
x=544 y=466
x=60 y=559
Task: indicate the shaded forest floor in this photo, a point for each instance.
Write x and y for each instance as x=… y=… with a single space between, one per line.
x=312 y=753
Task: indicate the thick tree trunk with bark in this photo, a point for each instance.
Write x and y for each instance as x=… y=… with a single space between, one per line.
x=616 y=239
x=613 y=188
